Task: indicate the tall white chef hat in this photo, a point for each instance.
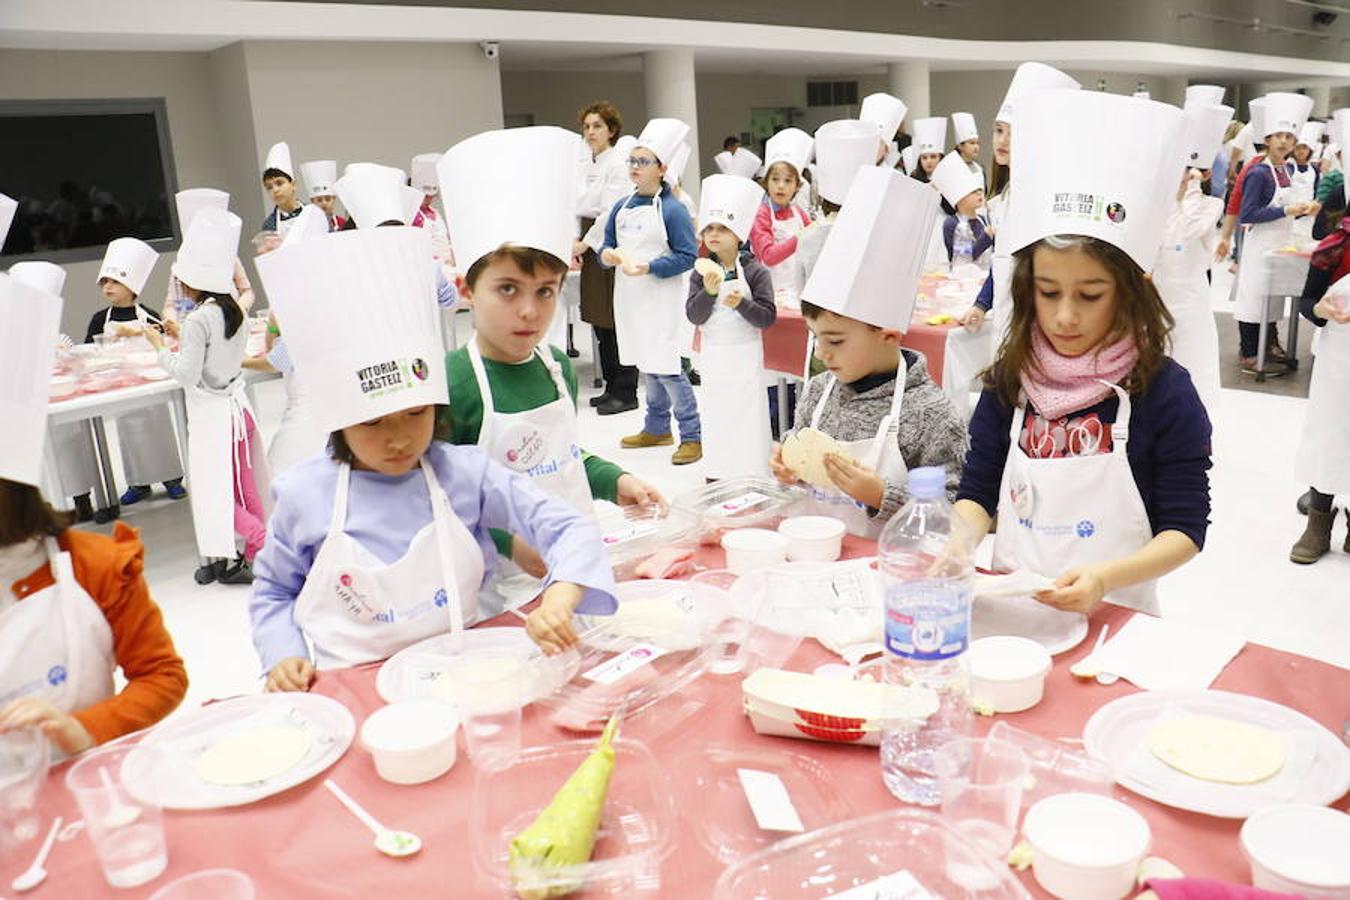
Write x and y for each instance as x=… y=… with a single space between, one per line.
x=1113 y=176
x=1030 y=78
x=206 y=258
x=1285 y=113
x=279 y=158
x=792 y=146
x=1311 y=135
x=954 y=179
x=885 y=111
x=842 y=147
x=963 y=128
x=311 y=223
x=514 y=186
x=930 y=134
x=128 y=261
x=40 y=275
x=375 y=194
x=662 y=136
x=359 y=312
x=729 y=201
x=8 y=207
x=624 y=146
x=1257 y=111
x=1205 y=95
x=870 y=265
x=1203 y=135
x=909 y=159
x=194 y=200
x=320 y=175
x=744 y=163
x=675 y=168
x=1340 y=120
x=1142 y=95
x=424 y=172
x=30 y=320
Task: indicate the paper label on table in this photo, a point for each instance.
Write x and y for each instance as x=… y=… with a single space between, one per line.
x=769 y=801
x=896 y=886
x=625 y=663
x=748 y=500
x=627 y=533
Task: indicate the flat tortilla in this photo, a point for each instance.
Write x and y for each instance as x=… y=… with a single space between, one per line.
x=804 y=453
x=252 y=756
x=705 y=266
x=1218 y=750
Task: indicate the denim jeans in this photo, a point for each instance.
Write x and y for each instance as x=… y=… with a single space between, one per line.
x=662 y=392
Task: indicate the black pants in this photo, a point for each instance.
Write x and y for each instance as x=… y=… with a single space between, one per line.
x=1249 y=334
x=620 y=380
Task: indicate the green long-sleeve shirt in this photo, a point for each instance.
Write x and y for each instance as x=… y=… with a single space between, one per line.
x=516 y=387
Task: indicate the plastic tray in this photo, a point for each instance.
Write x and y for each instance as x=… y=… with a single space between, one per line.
x=666 y=609
x=632 y=533
x=725 y=824
x=747 y=502
x=636 y=829
x=904 y=853
x=420 y=669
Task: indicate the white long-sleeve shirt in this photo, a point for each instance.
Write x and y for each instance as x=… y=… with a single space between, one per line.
x=205 y=357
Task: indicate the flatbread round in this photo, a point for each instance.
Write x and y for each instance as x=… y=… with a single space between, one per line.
x=254 y=755
x=1219 y=750
x=705 y=266
x=804 y=453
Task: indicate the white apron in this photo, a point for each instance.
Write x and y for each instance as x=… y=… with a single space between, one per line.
x=881 y=453
x=647 y=310
x=1323 y=459
x=540 y=443
x=356 y=609
x=146 y=435
x=1055 y=514
x=1253 y=277
x=734 y=406
x=56 y=644
x=76 y=459
x=215 y=422
x=786 y=275
x=1303 y=189
x=1180 y=279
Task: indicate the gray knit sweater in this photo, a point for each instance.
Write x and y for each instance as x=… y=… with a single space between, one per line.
x=931 y=431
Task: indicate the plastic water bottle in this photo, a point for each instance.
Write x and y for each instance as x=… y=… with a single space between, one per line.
x=925 y=561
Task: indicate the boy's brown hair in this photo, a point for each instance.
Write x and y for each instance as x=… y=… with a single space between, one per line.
x=607 y=111
x=526 y=258
x=796 y=176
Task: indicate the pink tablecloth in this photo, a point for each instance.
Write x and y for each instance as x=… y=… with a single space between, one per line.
x=302 y=844
x=785 y=344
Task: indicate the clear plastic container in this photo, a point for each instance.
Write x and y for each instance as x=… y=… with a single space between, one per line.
x=725 y=823
x=636 y=830
x=900 y=853
x=747 y=502
x=632 y=533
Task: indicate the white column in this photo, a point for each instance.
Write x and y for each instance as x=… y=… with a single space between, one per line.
x=668 y=83
x=909 y=81
x=1321 y=97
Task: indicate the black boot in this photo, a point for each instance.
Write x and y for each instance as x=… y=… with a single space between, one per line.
x=209 y=572
x=84 y=508
x=238 y=572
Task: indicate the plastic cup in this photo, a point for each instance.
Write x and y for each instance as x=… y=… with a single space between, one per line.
x=209 y=884
x=981 y=783
x=24 y=757
x=128 y=833
x=489 y=695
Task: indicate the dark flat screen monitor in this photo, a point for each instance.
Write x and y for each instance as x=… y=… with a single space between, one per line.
x=85 y=172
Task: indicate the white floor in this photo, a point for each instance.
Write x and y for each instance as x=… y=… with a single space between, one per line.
x=1242 y=582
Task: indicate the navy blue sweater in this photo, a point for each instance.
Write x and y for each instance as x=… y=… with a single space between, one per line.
x=1169 y=451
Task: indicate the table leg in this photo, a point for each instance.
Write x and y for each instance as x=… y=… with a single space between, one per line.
x=106 y=491
x=782 y=407
x=1292 y=349
x=1261 y=341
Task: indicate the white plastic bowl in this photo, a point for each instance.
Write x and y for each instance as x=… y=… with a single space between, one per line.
x=412 y=741
x=1008 y=672
x=753 y=548
x=813 y=538
x=1086 y=846
x=1299 y=849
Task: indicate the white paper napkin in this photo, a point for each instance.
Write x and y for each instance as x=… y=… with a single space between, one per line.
x=1159 y=654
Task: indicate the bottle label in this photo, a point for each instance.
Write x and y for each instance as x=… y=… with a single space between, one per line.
x=928 y=620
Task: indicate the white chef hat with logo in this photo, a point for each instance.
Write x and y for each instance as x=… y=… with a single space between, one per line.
x=1112 y=176
x=320 y=177
x=1030 y=78
x=930 y=134
x=663 y=136
x=359 y=312
x=870 y=264
x=792 y=146
x=30 y=322
x=885 y=111
x=375 y=194
x=512 y=186
x=1284 y=113
x=729 y=201
x=128 y=261
x=842 y=148
x=964 y=128
x=1205 y=126
x=279 y=158
x=191 y=201
x=954 y=179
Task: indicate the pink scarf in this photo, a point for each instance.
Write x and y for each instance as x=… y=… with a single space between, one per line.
x=1059 y=385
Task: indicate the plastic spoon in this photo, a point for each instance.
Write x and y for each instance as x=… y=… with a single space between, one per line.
x=119 y=813
x=387 y=841
x=36 y=874
x=1087 y=668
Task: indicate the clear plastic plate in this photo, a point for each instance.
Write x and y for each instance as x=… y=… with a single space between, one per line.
x=747 y=502
x=632 y=533
x=420 y=670
x=662 y=608
x=636 y=829
x=903 y=853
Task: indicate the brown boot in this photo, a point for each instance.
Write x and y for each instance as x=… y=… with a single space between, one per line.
x=643 y=439
x=688 y=452
x=1316 y=540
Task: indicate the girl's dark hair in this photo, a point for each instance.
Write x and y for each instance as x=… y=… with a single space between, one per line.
x=785 y=165
x=1140 y=314
x=341 y=451
x=829 y=206
x=25 y=514
x=999 y=176
x=234 y=316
